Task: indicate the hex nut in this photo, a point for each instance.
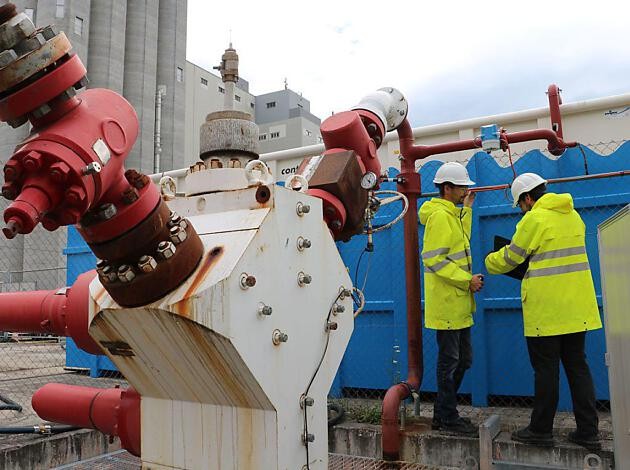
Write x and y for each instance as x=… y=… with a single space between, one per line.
x=50 y=32
x=278 y=337
x=107 y=211
x=304 y=279
x=125 y=273
x=16 y=30
x=6 y=57
x=166 y=250
x=303 y=243
x=302 y=209
x=177 y=234
x=59 y=172
x=247 y=281
x=109 y=274
x=147 y=264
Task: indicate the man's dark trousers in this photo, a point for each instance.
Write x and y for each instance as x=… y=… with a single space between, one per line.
x=454 y=358
x=545 y=354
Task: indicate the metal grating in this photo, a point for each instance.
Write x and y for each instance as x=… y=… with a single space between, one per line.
x=348 y=462
x=122 y=460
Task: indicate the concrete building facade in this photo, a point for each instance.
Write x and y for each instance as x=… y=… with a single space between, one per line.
x=285 y=121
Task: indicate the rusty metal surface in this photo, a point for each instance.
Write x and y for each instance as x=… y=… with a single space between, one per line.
x=35 y=61
x=122 y=460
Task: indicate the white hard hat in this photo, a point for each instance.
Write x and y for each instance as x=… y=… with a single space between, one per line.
x=453 y=172
x=523 y=184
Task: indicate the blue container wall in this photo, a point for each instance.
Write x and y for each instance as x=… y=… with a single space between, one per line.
x=377 y=355
x=80 y=260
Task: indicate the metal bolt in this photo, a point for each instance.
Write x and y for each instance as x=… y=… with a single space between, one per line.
x=100 y=265
x=6 y=57
x=174 y=220
x=49 y=32
x=12 y=170
x=247 y=281
x=81 y=83
x=338 y=308
x=107 y=211
x=75 y=195
x=306 y=401
x=109 y=274
x=166 y=250
x=331 y=325
x=308 y=437
x=9 y=191
x=302 y=209
x=59 y=172
x=147 y=264
x=33 y=161
x=303 y=279
x=303 y=243
x=92 y=168
x=125 y=273
x=177 y=234
x=278 y=337
x=264 y=309
x=129 y=196
x=18 y=121
x=41 y=111
x=345 y=293
x=335 y=224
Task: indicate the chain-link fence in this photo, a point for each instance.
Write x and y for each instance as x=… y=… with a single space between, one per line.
x=39 y=261
x=501 y=377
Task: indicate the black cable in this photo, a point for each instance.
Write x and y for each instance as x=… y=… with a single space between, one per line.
x=319 y=365
x=48 y=429
x=9 y=404
x=356 y=271
x=585 y=162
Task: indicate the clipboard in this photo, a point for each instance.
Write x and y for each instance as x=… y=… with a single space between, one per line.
x=519 y=271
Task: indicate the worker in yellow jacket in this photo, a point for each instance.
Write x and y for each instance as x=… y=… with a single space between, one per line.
x=559 y=306
x=448 y=288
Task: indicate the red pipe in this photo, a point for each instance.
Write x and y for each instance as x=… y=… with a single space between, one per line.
x=555 y=144
x=61 y=312
x=112 y=411
x=417 y=152
x=553 y=92
x=410 y=186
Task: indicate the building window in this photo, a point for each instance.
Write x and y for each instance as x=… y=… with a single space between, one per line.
x=271 y=104
x=237 y=98
x=59 y=10
x=179 y=74
x=307 y=133
x=262 y=137
x=204 y=82
x=221 y=90
x=274 y=135
x=78 y=26
x=252 y=105
x=30 y=13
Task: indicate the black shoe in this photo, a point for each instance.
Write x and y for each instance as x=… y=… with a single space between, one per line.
x=436 y=423
x=460 y=426
x=590 y=442
x=534 y=438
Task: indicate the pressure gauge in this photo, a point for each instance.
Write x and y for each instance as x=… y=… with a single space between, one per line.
x=369 y=180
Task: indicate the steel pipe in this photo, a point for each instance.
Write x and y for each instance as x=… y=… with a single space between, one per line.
x=61 y=312
x=112 y=411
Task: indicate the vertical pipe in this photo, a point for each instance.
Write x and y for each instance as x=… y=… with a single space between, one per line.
x=157 y=144
x=553 y=93
x=410 y=187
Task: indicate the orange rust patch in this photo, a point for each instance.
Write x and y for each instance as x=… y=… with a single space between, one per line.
x=211 y=258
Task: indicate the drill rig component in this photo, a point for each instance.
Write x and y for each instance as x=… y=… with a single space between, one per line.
x=70 y=169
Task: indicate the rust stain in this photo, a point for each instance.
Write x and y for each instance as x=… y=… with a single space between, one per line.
x=183 y=307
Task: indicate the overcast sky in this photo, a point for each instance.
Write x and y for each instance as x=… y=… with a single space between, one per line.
x=451 y=59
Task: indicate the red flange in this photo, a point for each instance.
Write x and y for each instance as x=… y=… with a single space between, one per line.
x=334 y=212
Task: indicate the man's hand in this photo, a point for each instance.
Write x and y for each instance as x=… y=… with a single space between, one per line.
x=469 y=198
x=476 y=283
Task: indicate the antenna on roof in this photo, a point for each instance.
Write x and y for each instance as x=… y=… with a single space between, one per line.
x=286 y=83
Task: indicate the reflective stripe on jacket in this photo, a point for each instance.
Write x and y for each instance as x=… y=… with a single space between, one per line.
x=557 y=291
x=448 y=302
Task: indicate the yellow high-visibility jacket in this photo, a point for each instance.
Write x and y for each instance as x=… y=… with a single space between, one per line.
x=557 y=291
x=448 y=302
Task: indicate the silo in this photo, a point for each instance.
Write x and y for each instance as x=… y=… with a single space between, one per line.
x=106 y=58
x=170 y=73
x=139 y=86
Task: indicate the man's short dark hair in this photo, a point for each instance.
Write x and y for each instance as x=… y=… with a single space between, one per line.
x=441 y=187
x=535 y=193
